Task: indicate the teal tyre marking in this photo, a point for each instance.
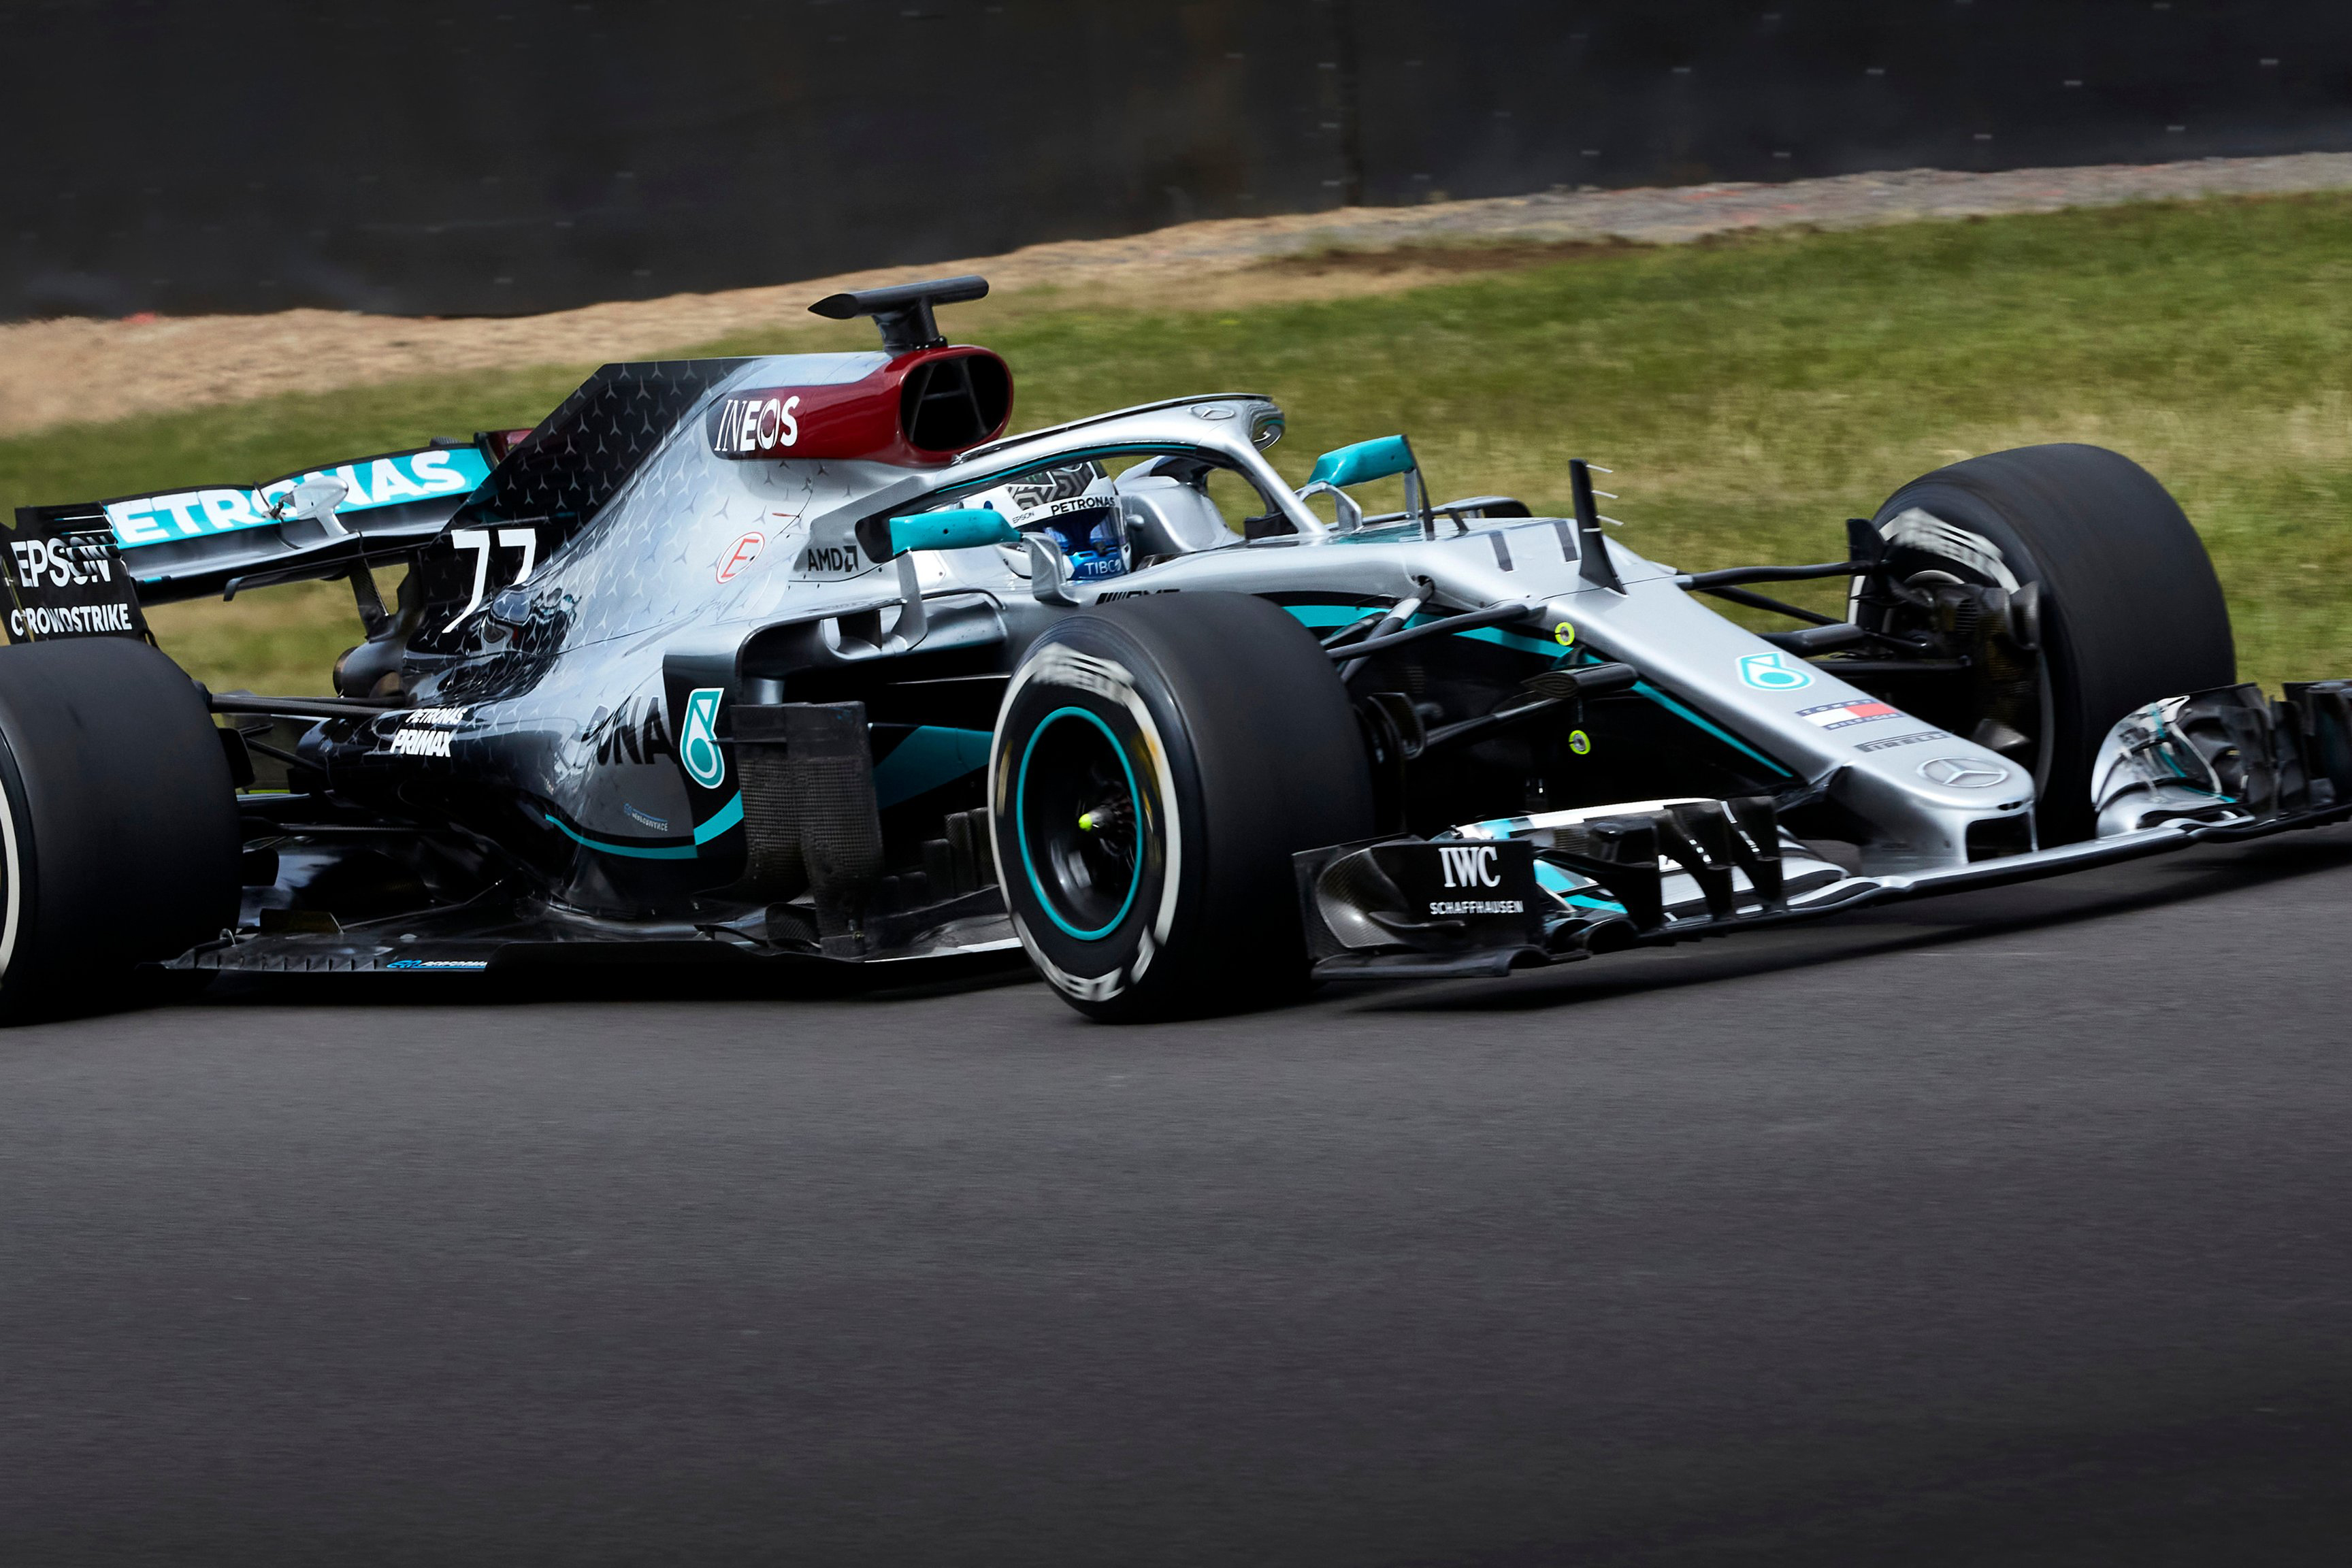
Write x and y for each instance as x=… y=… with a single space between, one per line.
x=1021 y=825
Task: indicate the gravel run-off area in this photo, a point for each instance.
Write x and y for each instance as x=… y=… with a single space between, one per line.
x=73 y=370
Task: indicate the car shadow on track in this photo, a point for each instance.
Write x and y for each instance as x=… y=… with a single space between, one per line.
x=626 y=982
x=1959 y=919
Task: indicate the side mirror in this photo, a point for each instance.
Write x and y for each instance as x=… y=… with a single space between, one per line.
x=959 y=528
x=1368 y=460
x=1364 y=461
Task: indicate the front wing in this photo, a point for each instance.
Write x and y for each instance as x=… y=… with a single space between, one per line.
x=1489 y=898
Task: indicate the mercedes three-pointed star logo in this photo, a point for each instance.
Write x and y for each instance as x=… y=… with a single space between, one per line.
x=1962 y=772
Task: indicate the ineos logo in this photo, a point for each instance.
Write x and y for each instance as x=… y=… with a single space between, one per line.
x=1960 y=773
x=1471 y=865
x=755 y=424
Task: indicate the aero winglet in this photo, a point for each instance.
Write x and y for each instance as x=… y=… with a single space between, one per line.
x=1592 y=563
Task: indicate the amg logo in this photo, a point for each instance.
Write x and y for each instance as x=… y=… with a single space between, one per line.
x=1469 y=866
x=839 y=559
x=1131 y=594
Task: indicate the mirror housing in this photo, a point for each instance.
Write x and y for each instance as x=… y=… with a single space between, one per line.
x=1364 y=461
x=1368 y=460
x=958 y=528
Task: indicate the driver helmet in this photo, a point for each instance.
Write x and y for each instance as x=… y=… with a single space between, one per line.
x=1076 y=508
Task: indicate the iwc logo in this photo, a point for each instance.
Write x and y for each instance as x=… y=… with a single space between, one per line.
x=1962 y=772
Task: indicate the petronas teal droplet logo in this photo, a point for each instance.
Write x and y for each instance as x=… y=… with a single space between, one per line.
x=697 y=745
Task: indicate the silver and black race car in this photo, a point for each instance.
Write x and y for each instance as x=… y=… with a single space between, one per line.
x=801 y=661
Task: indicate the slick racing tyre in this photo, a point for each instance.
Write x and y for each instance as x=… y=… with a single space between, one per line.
x=1155 y=764
x=119 y=838
x=2108 y=579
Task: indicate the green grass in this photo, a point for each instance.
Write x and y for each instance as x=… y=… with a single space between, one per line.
x=1751 y=396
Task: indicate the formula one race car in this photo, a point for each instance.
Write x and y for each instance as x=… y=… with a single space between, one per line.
x=800 y=660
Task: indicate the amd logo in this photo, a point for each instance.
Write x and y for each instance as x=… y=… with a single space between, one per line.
x=830 y=561
x=1469 y=866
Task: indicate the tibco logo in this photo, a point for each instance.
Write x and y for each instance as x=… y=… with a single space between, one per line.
x=741 y=553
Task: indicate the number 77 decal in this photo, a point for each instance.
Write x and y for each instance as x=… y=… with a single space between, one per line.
x=478 y=540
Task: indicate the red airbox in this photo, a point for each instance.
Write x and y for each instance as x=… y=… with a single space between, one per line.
x=918 y=411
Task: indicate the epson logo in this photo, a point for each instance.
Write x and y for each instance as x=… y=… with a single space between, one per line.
x=63 y=564
x=1469 y=866
x=755 y=424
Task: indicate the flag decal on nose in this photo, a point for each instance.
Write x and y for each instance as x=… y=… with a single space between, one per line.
x=1861 y=711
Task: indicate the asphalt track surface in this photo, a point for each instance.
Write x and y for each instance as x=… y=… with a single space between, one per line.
x=2013 y=1228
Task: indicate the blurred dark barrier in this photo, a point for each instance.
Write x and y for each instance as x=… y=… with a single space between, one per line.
x=499 y=156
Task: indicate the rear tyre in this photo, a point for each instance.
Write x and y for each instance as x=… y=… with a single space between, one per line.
x=1155 y=766
x=119 y=838
x=2127 y=604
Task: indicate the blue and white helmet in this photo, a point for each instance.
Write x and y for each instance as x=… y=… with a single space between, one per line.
x=1076 y=507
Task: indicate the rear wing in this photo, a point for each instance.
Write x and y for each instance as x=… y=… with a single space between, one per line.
x=192 y=543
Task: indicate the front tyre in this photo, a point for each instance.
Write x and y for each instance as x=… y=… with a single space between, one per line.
x=2128 y=608
x=1155 y=764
